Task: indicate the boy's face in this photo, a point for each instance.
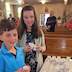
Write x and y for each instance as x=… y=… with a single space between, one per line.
x=9 y=38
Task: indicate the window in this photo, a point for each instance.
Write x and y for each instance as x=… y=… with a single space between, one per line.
x=8 y=11
x=19 y=11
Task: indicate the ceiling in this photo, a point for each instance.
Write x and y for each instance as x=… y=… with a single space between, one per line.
x=36 y=1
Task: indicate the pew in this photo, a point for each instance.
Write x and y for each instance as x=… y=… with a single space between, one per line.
x=58 y=44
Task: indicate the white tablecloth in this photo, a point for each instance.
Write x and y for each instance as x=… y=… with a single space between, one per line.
x=57 y=64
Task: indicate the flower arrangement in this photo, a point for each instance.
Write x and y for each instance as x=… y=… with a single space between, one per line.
x=68 y=25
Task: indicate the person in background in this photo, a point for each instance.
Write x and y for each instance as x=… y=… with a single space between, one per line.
x=17 y=21
x=51 y=22
x=12 y=58
x=31 y=37
x=10 y=17
x=14 y=19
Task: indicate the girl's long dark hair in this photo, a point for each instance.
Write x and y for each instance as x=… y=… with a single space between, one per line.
x=35 y=30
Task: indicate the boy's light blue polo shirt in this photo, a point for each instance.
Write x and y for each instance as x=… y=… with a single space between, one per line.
x=8 y=63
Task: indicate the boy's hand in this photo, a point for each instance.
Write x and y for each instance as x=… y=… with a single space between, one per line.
x=26 y=68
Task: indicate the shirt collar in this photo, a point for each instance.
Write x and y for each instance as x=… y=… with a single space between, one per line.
x=4 y=49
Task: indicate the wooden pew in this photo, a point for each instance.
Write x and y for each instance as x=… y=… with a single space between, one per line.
x=58 y=44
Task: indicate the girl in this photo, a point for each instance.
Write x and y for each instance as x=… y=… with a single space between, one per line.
x=31 y=38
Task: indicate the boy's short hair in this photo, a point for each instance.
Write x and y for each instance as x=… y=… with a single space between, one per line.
x=6 y=25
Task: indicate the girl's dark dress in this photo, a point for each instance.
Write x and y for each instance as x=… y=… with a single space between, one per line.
x=31 y=56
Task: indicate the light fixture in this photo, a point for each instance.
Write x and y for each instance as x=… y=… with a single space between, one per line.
x=19 y=11
x=8 y=9
x=2 y=0
x=20 y=1
x=43 y=1
x=65 y=2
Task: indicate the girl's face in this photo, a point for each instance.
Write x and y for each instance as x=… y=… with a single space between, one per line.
x=28 y=17
x=9 y=38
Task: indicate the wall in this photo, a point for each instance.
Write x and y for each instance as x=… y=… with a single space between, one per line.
x=58 y=9
x=1 y=10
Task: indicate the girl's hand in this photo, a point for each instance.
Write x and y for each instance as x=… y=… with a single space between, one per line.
x=38 y=47
x=27 y=48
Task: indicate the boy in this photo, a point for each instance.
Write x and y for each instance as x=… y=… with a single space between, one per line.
x=11 y=57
